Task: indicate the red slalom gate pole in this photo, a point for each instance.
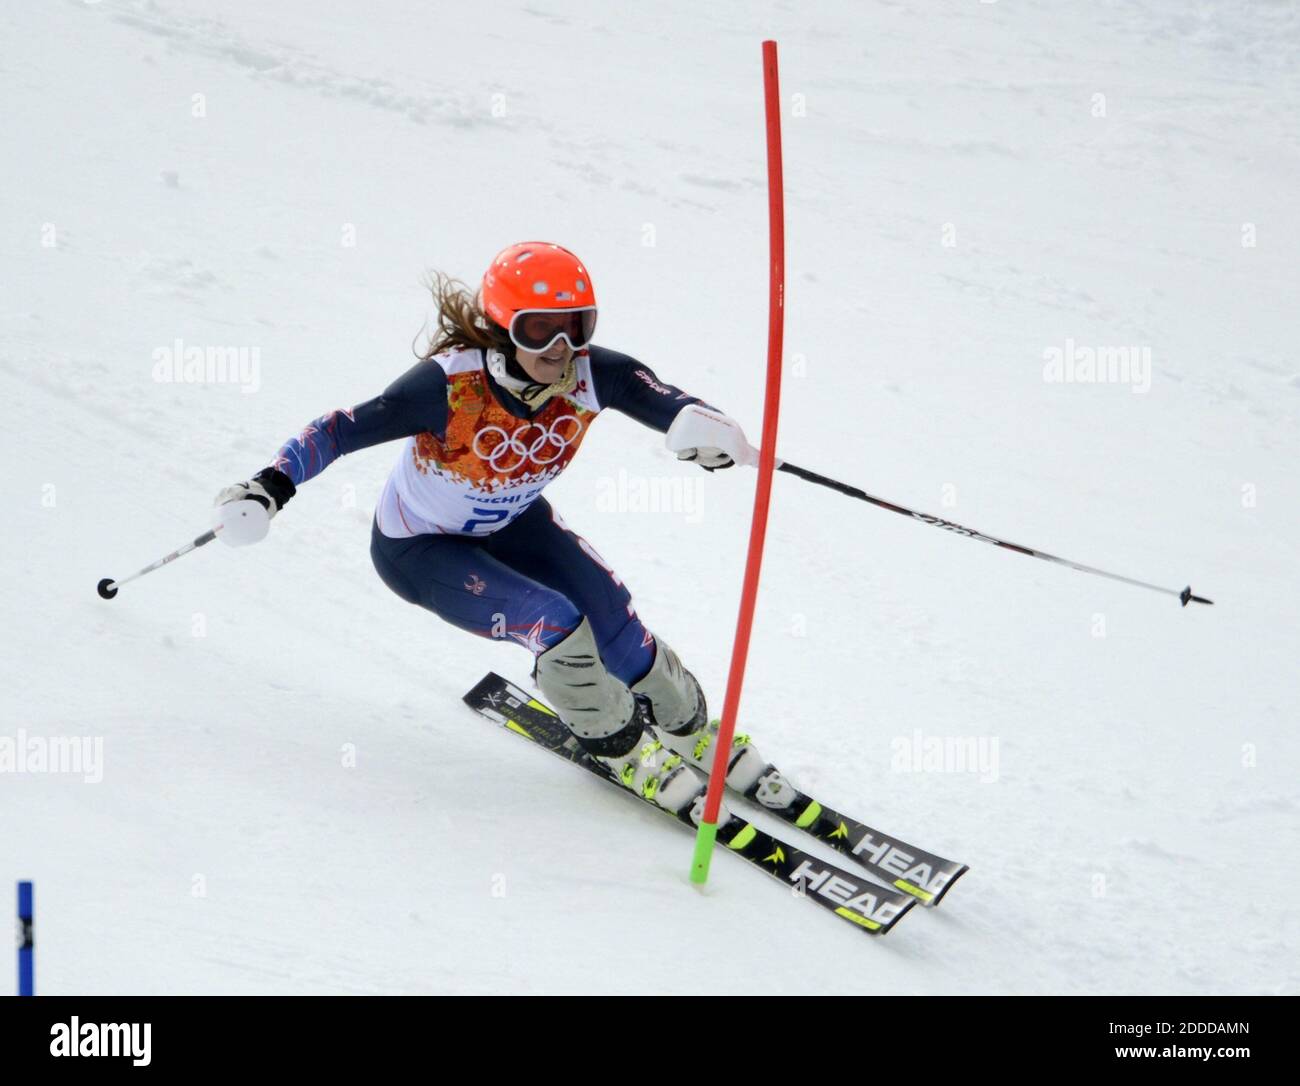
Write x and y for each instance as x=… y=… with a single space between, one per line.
x=708 y=830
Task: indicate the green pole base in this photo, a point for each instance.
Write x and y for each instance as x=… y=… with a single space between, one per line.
x=704 y=839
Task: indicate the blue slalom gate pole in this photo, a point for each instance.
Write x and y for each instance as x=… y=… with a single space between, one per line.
x=26 y=942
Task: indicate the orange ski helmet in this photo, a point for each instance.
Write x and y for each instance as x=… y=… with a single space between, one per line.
x=540 y=292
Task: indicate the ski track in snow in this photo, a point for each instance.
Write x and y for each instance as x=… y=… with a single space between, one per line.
x=293 y=797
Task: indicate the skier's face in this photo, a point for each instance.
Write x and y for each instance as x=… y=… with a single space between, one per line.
x=548 y=367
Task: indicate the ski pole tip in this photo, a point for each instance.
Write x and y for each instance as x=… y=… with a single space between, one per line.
x=1186 y=596
x=107 y=588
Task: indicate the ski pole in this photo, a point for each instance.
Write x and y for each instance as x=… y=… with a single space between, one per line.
x=938 y=522
x=108 y=587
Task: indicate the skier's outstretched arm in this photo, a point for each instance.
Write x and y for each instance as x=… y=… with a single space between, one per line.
x=413 y=404
x=633 y=388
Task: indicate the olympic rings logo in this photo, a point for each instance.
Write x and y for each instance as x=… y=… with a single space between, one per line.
x=525 y=447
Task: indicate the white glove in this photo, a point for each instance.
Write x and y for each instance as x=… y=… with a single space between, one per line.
x=709 y=438
x=243 y=512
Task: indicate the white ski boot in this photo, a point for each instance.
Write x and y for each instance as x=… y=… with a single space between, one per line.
x=748 y=771
x=678 y=706
x=610 y=723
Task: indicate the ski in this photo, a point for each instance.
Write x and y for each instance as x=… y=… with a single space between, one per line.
x=923 y=875
x=871 y=908
x=912 y=870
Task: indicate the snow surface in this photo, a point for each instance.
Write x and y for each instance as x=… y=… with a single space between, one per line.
x=1141 y=830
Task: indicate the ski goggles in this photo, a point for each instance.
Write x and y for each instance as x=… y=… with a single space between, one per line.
x=536 y=330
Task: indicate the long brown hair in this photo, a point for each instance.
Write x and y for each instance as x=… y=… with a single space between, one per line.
x=461 y=323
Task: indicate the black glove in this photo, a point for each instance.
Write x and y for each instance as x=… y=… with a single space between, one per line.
x=270 y=488
x=708 y=459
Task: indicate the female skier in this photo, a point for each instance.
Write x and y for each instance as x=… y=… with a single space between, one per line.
x=493 y=411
